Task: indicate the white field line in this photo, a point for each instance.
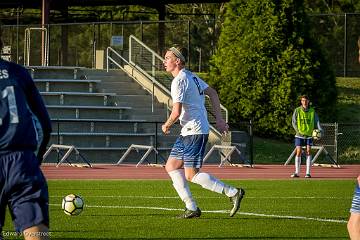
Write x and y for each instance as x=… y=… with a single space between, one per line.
x=202 y=197
x=218 y=211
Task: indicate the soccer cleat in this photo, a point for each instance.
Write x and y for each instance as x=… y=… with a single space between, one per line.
x=190 y=214
x=294 y=175
x=307 y=176
x=236 y=200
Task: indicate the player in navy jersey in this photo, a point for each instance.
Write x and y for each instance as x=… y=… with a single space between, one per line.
x=25 y=129
x=188 y=96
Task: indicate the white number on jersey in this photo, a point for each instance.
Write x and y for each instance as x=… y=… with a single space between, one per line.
x=198 y=85
x=9 y=94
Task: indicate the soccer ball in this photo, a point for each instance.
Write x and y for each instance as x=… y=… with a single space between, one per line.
x=316 y=134
x=72 y=205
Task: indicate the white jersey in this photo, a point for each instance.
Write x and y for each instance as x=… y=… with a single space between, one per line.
x=188 y=89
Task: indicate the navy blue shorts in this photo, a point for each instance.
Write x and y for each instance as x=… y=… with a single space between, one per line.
x=24 y=190
x=190 y=149
x=303 y=141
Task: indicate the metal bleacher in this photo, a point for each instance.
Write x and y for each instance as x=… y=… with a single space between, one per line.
x=101 y=113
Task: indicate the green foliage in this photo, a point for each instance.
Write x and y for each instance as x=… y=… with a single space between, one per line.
x=265 y=59
x=348 y=101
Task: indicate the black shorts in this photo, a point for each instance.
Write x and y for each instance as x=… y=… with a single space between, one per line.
x=24 y=190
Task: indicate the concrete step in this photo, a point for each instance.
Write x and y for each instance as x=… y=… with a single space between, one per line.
x=112 y=74
x=123 y=126
x=135 y=101
x=79 y=98
x=147 y=110
x=79 y=111
x=123 y=88
x=70 y=72
x=66 y=85
x=148 y=117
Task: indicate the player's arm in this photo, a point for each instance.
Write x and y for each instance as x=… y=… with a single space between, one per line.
x=221 y=125
x=174 y=116
x=294 y=122
x=317 y=122
x=37 y=106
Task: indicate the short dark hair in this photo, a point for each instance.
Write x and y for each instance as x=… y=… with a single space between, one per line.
x=304 y=96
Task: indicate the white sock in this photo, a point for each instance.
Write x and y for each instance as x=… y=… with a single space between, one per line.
x=308 y=164
x=182 y=188
x=213 y=184
x=297 y=165
x=230 y=191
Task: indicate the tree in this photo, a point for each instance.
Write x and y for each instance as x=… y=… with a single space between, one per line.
x=265 y=59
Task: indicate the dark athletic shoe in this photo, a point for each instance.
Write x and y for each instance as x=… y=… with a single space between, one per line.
x=190 y=214
x=294 y=175
x=236 y=200
x=307 y=176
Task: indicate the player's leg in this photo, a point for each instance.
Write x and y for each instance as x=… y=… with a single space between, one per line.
x=298 y=147
x=38 y=232
x=353 y=225
x=28 y=202
x=209 y=182
x=173 y=167
x=309 y=143
x=193 y=156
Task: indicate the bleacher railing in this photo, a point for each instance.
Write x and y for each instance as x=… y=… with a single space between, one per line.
x=44 y=46
x=121 y=62
x=151 y=64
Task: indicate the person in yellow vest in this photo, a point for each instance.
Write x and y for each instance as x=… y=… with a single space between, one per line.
x=304 y=121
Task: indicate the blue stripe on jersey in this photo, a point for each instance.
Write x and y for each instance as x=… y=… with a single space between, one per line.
x=355 y=206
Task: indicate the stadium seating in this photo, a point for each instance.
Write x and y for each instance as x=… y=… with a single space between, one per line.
x=100 y=113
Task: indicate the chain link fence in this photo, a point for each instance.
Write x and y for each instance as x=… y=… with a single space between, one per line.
x=342 y=141
x=338 y=34
x=349 y=143
x=77 y=44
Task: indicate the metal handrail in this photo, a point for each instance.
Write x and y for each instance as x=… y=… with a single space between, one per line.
x=108 y=57
x=153 y=80
x=45 y=61
x=154 y=55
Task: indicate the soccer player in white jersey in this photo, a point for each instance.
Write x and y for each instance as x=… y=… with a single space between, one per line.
x=188 y=95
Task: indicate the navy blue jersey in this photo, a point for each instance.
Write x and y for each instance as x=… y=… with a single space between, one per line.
x=21 y=108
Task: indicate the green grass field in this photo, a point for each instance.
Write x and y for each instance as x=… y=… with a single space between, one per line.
x=348 y=102
x=137 y=209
